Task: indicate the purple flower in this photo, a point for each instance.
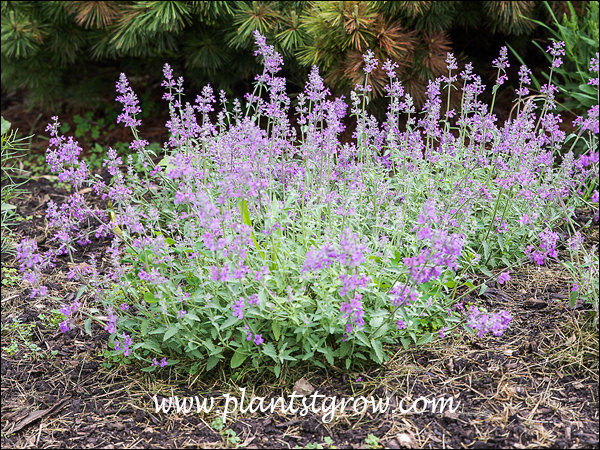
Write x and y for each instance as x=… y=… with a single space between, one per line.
x=485 y=323
x=556 y=49
x=112 y=321
x=127 y=341
x=401 y=324
x=503 y=277
x=163 y=362
x=253 y=300
x=451 y=61
x=502 y=61
x=402 y=294
x=318 y=259
x=352 y=282
x=238 y=308
x=272 y=60
x=130 y=103
x=64 y=326
x=353 y=310
x=370 y=61
x=258 y=339
x=351 y=250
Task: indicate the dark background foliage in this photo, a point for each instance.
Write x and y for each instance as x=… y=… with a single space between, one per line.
x=57 y=54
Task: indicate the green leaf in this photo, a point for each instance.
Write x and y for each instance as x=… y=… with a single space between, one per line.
x=87 y=325
x=276 y=330
x=171 y=331
x=328 y=354
x=269 y=350
x=501 y=242
x=81 y=290
x=573 y=298
x=229 y=322
x=381 y=331
x=149 y=344
x=482 y=289
x=7 y=206
x=406 y=342
x=375 y=322
x=144 y=327
x=212 y=362
x=425 y=339
x=378 y=350
x=486 y=249
x=245 y=213
x=344 y=349
x=238 y=358
x=486 y=271
x=5 y=128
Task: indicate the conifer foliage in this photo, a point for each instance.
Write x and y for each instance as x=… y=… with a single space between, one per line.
x=57 y=50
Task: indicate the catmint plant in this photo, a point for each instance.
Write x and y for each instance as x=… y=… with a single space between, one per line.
x=252 y=240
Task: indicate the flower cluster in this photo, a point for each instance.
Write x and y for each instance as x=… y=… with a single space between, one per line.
x=485 y=323
x=353 y=310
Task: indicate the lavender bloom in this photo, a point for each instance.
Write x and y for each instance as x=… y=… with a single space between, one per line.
x=130 y=103
x=27 y=254
x=502 y=61
x=401 y=294
x=485 y=323
x=238 y=308
x=253 y=300
x=524 y=81
x=64 y=326
x=352 y=282
x=351 y=250
x=271 y=59
x=354 y=310
x=163 y=362
x=503 y=277
x=370 y=61
x=112 y=321
x=451 y=61
x=127 y=341
x=152 y=277
x=594 y=67
x=318 y=259
x=258 y=339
